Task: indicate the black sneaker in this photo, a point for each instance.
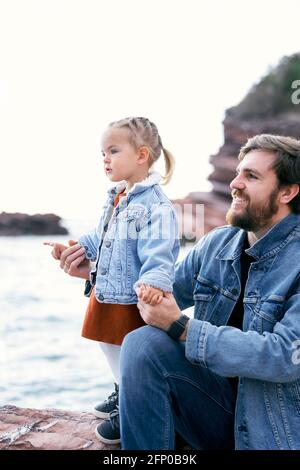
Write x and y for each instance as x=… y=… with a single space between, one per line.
x=109 y=431
x=110 y=404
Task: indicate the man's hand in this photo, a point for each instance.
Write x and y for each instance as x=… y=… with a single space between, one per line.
x=150 y=295
x=161 y=315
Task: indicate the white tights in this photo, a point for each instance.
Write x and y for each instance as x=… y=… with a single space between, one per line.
x=112 y=354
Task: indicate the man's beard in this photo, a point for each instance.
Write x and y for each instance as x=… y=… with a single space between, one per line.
x=254 y=217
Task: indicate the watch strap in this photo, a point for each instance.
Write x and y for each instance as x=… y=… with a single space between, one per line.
x=177 y=327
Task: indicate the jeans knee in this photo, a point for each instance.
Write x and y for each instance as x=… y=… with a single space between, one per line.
x=139 y=346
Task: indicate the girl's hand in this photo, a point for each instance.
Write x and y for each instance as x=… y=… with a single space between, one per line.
x=80 y=267
x=150 y=295
x=72 y=258
x=70 y=254
x=58 y=248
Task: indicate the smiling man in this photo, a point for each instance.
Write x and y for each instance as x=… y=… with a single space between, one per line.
x=228 y=377
x=257 y=191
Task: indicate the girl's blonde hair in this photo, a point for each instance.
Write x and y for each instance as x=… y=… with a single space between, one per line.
x=144 y=132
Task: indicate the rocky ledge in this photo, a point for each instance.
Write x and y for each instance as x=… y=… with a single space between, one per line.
x=49 y=429
x=24 y=224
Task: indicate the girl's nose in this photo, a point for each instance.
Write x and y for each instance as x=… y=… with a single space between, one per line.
x=106 y=158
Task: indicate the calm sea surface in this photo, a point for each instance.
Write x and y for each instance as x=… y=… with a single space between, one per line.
x=44 y=361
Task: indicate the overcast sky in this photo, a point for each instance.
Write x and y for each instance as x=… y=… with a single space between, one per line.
x=69 y=67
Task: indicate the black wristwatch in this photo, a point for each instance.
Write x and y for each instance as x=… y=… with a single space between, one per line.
x=178 y=327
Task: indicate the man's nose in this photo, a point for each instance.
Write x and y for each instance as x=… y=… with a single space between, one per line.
x=237 y=183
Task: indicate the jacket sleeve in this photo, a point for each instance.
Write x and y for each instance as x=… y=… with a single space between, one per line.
x=228 y=351
x=90 y=243
x=158 y=248
x=186 y=272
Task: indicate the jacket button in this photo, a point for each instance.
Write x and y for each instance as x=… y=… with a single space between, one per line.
x=103 y=272
x=100 y=297
x=234 y=291
x=242 y=428
x=107 y=244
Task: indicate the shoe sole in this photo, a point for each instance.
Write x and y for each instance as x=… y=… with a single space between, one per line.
x=106 y=441
x=100 y=414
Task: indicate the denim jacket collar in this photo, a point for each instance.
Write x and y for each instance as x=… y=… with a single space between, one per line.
x=273 y=241
x=233 y=248
x=152 y=179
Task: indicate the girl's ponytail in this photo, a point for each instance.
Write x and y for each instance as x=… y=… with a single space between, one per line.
x=169 y=165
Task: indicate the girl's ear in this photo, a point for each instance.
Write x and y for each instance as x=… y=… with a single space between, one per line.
x=143 y=154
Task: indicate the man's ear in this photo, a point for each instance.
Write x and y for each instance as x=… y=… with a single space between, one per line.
x=143 y=154
x=288 y=193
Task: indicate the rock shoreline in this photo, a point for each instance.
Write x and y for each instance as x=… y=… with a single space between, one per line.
x=49 y=429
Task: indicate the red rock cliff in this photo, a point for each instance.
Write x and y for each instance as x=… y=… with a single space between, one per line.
x=268 y=108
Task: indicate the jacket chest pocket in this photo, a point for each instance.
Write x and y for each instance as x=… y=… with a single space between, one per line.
x=131 y=221
x=267 y=314
x=206 y=298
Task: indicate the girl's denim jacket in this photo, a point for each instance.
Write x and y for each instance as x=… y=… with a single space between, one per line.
x=134 y=243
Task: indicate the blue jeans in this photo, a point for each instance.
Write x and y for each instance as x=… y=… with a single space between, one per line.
x=162 y=392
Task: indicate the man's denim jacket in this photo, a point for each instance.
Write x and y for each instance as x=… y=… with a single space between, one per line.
x=266 y=354
x=135 y=243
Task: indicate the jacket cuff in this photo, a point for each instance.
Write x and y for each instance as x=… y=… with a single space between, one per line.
x=161 y=284
x=88 y=252
x=195 y=348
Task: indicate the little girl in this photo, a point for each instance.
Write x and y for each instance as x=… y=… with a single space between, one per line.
x=134 y=245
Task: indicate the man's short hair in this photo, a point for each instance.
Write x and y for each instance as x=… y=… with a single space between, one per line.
x=287 y=160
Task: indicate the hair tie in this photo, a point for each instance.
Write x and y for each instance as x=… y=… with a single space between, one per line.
x=160 y=142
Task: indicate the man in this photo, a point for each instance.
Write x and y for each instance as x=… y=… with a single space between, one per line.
x=229 y=377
